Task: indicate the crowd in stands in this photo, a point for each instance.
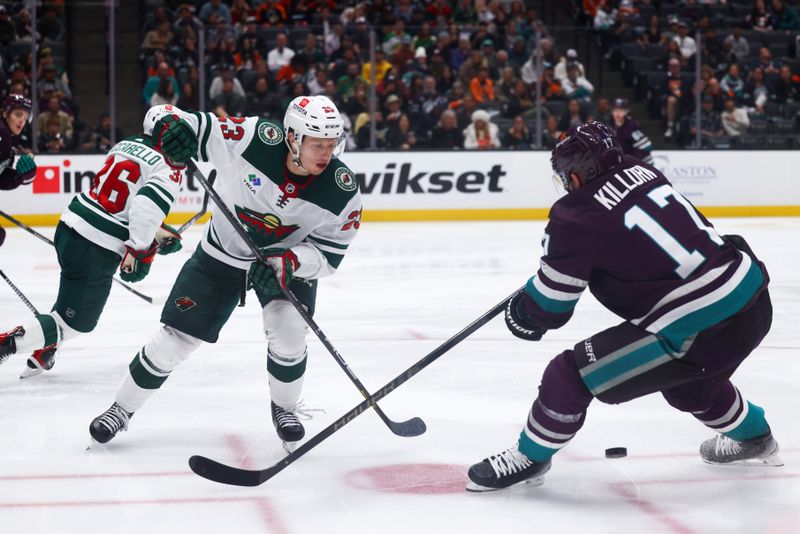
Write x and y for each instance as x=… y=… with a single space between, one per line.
x=748 y=62
x=448 y=74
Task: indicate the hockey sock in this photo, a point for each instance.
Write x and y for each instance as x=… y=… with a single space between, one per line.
x=286 y=378
x=40 y=332
x=753 y=425
x=142 y=380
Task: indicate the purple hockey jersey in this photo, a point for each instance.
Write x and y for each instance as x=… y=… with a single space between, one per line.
x=633 y=140
x=8 y=175
x=645 y=253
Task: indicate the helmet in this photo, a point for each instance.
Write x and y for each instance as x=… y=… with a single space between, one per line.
x=154 y=114
x=17 y=101
x=316 y=116
x=587 y=150
x=620 y=103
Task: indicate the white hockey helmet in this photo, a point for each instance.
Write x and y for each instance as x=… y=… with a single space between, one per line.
x=316 y=116
x=155 y=113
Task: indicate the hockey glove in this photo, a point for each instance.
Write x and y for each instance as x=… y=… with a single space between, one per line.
x=136 y=263
x=518 y=322
x=26 y=169
x=169 y=240
x=175 y=138
x=276 y=274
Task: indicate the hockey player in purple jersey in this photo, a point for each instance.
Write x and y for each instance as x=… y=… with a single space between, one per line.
x=16 y=112
x=633 y=141
x=695 y=305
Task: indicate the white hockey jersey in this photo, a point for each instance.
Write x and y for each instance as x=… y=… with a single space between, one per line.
x=129 y=197
x=317 y=218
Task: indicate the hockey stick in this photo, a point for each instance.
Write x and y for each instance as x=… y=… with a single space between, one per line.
x=20 y=294
x=211 y=177
x=51 y=243
x=414 y=426
x=213 y=470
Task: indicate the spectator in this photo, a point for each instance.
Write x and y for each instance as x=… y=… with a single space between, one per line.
x=552 y=89
x=382 y=67
x=280 y=55
x=686 y=44
x=24 y=29
x=784 y=17
x=787 y=86
x=214 y=10
x=363 y=129
x=757 y=90
x=573 y=115
x=393 y=110
x=56 y=127
x=676 y=91
x=482 y=87
x=481 y=134
x=447 y=134
x=465 y=110
x=400 y=135
x=316 y=83
x=734 y=120
x=295 y=71
x=8 y=30
x=765 y=62
x=99 y=140
x=50 y=26
x=51 y=138
x=247 y=56
x=49 y=82
x=241 y=11
x=158 y=39
x=518 y=54
x=188 y=98
x=575 y=86
x=551 y=134
x=426 y=107
x=605 y=18
x=570 y=58
x=603 y=113
x=760 y=19
x=394 y=38
x=710 y=123
x=518 y=135
x=739 y=46
x=216 y=84
x=165 y=94
x=261 y=103
x=732 y=83
x=504 y=88
x=652 y=35
x=228 y=102
x=154 y=81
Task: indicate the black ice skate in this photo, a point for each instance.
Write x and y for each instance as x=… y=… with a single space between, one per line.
x=8 y=342
x=722 y=450
x=288 y=426
x=41 y=360
x=505 y=469
x=105 y=426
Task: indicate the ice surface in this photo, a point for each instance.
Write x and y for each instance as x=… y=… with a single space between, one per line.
x=402 y=290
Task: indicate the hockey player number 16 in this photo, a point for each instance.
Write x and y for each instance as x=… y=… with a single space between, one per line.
x=687 y=261
x=109 y=188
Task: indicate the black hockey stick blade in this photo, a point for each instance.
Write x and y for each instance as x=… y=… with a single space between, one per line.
x=217 y=472
x=224 y=474
x=408 y=429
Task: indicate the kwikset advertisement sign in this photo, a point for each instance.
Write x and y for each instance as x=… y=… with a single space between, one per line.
x=461 y=185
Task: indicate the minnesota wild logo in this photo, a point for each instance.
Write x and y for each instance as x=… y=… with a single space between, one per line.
x=270 y=134
x=265 y=228
x=184 y=303
x=345 y=179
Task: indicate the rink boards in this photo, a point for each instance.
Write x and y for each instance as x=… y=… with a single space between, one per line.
x=485 y=185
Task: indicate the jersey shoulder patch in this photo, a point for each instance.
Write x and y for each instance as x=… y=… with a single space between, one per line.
x=268 y=132
x=334 y=188
x=267 y=150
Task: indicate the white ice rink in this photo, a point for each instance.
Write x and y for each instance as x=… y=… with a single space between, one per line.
x=402 y=290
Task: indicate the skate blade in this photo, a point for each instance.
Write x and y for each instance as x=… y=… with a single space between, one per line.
x=477 y=488
x=28 y=372
x=289 y=446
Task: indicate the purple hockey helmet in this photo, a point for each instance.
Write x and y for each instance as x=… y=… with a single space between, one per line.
x=17 y=101
x=587 y=150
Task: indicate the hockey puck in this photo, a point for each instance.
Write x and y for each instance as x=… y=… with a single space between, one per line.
x=616 y=452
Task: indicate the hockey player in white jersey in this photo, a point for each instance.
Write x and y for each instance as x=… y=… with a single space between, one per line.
x=300 y=204
x=116 y=225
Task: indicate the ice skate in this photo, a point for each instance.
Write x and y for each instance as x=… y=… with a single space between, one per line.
x=105 y=426
x=41 y=360
x=505 y=469
x=288 y=426
x=760 y=451
x=8 y=342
